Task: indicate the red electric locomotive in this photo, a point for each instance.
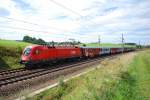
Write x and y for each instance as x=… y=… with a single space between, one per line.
x=41 y=54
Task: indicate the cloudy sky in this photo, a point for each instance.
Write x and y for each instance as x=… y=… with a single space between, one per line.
x=83 y=20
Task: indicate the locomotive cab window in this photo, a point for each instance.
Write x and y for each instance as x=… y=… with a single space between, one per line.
x=27 y=51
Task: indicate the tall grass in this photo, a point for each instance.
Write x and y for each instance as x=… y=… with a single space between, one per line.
x=10 y=52
x=56 y=93
x=134 y=84
x=13 y=52
x=9 y=57
x=114 y=81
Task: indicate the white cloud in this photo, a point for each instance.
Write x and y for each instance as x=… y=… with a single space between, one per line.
x=108 y=18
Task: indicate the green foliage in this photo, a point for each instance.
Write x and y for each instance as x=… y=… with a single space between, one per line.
x=8 y=62
x=13 y=52
x=33 y=40
x=10 y=52
x=84 y=45
x=134 y=83
x=121 y=89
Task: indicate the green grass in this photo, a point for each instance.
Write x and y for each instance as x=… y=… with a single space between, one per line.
x=13 y=44
x=140 y=70
x=128 y=81
x=10 y=52
x=106 y=45
x=134 y=84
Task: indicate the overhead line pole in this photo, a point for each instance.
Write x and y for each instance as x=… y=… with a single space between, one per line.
x=139 y=44
x=122 y=40
x=99 y=40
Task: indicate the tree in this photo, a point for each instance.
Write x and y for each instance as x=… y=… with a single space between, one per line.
x=84 y=45
x=26 y=38
x=74 y=42
x=33 y=40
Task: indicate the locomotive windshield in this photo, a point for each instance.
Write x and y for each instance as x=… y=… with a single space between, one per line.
x=27 y=51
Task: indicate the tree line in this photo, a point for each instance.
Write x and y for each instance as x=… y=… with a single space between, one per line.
x=33 y=40
x=51 y=43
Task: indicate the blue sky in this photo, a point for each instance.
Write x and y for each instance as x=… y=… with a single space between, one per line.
x=84 y=20
x=4 y=12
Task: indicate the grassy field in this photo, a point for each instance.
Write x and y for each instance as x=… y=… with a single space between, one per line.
x=10 y=52
x=106 y=45
x=13 y=44
x=124 y=78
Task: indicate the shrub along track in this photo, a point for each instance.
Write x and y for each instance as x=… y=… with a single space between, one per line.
x=15 y=80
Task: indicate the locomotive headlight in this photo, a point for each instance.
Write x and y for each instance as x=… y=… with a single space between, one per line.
x=29 y=59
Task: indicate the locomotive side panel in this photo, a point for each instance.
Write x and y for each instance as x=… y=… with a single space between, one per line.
x=63 y=53
x=43 y=53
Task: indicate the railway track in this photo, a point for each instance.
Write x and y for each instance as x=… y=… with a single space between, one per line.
x=3 y=72
x=20 y=75
x=8 y=74
x=11 y=77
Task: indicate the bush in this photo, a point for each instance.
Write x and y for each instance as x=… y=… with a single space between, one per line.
x=13 y=52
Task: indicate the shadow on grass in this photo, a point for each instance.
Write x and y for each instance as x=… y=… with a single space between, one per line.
x=3 y=64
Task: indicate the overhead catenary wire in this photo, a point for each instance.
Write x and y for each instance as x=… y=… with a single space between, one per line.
x=23 y=21
x=31 y=30
x=57 y=3
x=35 y=24
x=12 y=27
x=67 y=8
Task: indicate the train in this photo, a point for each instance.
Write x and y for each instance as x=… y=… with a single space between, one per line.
x=41 y=54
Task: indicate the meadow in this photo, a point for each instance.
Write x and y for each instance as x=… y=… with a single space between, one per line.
x=13 y=44
x=124 y=78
